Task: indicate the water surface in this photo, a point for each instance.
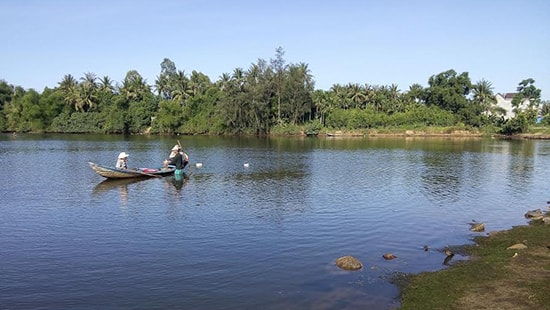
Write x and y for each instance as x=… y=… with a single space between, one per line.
x=235 y=237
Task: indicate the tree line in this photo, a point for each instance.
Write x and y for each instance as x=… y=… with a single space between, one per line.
x=269 y=97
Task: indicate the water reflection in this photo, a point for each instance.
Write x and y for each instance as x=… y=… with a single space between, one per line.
x=441 y=178
x=178 y=181
x=110 y=184
x=520 y=167
x=117 y=184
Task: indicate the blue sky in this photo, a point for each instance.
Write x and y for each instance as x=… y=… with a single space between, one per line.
x=375 y=42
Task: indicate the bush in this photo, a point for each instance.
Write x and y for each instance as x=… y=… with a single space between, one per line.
x=515 y=125
x=313 y=128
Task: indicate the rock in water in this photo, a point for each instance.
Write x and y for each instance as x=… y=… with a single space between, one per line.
x=477 y=227
x=389 y=256
x=349 y=263
x=534 y=214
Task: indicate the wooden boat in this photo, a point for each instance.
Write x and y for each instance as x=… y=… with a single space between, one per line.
x=115 y=173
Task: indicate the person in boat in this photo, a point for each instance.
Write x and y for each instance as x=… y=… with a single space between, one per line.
x=178 y=159
x=122 y=161
x=175 y=150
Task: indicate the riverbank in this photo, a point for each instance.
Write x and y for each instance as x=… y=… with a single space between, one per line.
x=428 y=132
x=433 y=132
x=500 y=274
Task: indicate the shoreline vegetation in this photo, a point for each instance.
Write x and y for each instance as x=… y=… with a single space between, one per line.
x=271 y=97
x=507 y=269
x=374 y=133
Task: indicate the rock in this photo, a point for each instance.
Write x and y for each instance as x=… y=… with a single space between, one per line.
x=534 y=214
x=426 y=248
x=389 y=256
x=517 y=246
x=546 y=219
x=477 y=227
x=447 y=259
x=349 y=263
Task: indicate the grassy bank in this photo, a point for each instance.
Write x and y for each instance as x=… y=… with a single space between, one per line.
x=494 y=278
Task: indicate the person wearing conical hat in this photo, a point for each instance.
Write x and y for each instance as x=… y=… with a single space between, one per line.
x=176 y=159
x=174 y=151
x=122 y=160
x=177 y=148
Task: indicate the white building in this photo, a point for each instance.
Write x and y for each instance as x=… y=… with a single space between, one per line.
x=504 y=101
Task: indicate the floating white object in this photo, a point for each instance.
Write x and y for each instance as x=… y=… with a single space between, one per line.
x=198 y=165
x=247 y=165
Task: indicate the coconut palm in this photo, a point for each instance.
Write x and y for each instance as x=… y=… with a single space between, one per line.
x=180 y=87
x=134 y=87
x=68 y=87
x=483 y=95
x=87 y=92
x=162 y=87
x=223 y=81
x=356 y=94
x=106 y=84
x=339 y=93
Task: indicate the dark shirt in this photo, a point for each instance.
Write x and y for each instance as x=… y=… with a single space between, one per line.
x=177 y=161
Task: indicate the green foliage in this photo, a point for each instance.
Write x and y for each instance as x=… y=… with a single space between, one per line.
x=79 y=122
x=286 y=130
x=168 y=118
x=448 y=90
x=51 y=105
x=139 y=114
x=516 y=125
x=269 y=97
x=6 y=92
x=313 y=128
x=527 y=91
x=419 y=115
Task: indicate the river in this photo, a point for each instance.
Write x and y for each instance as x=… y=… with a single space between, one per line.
x=258 y=225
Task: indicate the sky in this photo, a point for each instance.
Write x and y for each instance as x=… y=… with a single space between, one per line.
x=376 y=42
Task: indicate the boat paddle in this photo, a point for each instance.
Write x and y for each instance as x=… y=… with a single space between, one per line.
x=147 y=174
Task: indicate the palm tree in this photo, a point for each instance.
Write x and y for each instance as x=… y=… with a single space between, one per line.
x=484 y=96
x=238 y=78
x=309 y=83
x=106 y=84
x=223 y=81
x=68 y=87
x=161 y=86
x=180 y=87
x=198 y=83
x=323 y=104
x=370 y=95
x=394 y=94
x=87 y=92
x=340 y=95
x=416 y=93
x=298 y=92
x=356 y=94
x=134 y=87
